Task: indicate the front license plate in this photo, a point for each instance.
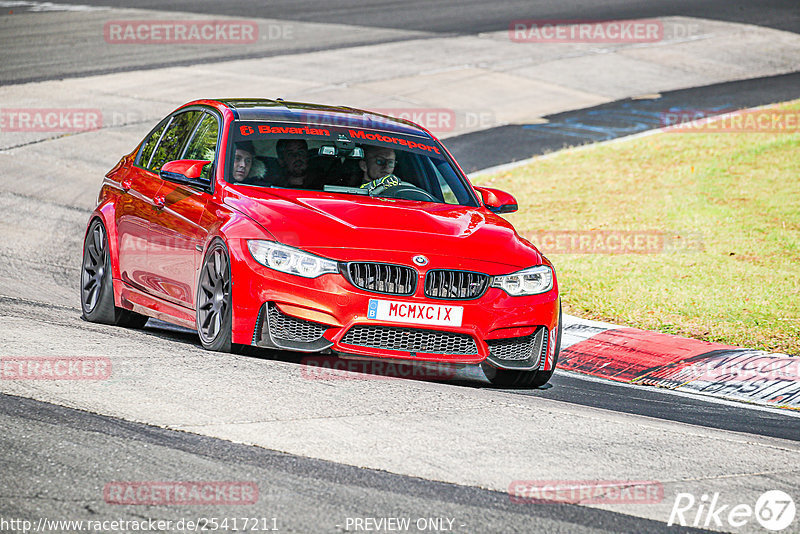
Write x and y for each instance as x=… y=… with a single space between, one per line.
x=406 y=312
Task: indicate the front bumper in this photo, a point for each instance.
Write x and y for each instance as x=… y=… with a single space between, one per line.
x=277 y=310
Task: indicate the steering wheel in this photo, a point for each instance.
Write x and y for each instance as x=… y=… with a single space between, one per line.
x=403 y=191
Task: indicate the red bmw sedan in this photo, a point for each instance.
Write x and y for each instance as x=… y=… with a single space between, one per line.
x=318 y=229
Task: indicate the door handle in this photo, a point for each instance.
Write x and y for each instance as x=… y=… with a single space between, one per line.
x=126 y=184
x=159 y=202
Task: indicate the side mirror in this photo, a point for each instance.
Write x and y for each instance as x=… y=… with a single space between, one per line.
x=186 y=172
x=497 y=201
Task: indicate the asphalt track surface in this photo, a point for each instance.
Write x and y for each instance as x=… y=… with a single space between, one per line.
x=505 y=144
x=302 y=494
x=573 y=388
x=312 y=495
x=48 y=51
x=474 y=16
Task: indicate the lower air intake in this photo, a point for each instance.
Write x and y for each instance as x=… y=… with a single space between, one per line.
x=527 y=349
x=410 y=340
x=285 y=328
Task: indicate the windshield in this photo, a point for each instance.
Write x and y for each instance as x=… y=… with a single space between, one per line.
x=346 y=160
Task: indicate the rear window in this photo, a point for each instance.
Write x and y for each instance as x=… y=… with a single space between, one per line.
x=345 y=160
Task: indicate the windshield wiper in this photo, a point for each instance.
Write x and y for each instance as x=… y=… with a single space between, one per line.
x=345 y=189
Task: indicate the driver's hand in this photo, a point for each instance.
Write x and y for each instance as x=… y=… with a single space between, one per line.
x=389 y=180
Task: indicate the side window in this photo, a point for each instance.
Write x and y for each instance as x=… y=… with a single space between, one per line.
x=204 y=143
x=150 y=144
x=444 y=175
x=447 y=191
x=174 y=139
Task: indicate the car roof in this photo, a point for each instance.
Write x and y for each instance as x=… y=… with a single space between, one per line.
x=253 y=109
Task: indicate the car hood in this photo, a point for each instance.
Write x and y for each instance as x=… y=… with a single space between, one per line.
x=351 y=227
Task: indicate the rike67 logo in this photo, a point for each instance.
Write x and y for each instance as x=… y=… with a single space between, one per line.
x=774 y=510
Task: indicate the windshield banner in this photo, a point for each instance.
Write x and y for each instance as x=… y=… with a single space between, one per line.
x=254 y=131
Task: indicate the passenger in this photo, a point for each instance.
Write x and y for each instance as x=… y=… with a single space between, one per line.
x=293 y=159
x=243 y=161
x=246 y=168
x=377 y=167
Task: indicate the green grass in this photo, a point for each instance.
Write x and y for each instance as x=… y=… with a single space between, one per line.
x=739 y=193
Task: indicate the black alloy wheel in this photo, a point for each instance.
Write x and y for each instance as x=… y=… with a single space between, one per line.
x=214 y=300
x=97 y=286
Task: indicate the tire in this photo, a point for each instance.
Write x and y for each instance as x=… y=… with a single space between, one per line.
x=543 y=377
x=97 y=285
x=214 y=309
x=506 y=378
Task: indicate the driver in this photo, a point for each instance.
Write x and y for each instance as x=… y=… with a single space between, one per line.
x=377 y=167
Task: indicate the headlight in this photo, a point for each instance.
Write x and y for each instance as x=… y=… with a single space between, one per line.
x=290 y=260
x=530 y=281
